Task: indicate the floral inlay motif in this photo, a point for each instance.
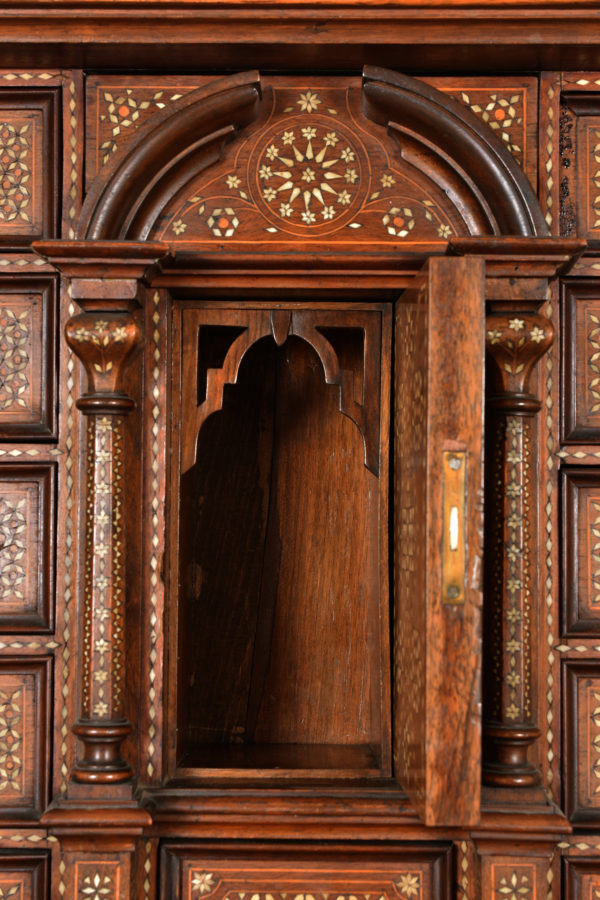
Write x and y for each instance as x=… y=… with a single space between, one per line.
x=222 y=222
x=14 y=891
x=593 y=367
x=103 y=634
x=309 y=102
x=97 y=887
x=202 y=883
x=102 y=334
x=15 y=349
x=308 y=174
x=516 y=886
x=125 y=111
x=11 y=739
x=13 y=531
x=503 y=114
x=399 y=222
x=409 y=885
x=517 y=702
x=15 y=148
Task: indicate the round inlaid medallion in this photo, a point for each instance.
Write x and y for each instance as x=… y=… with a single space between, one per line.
x=309 y=174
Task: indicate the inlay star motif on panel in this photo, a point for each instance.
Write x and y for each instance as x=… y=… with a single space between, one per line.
x=312 y=167
x=15 y=151
x=308 y=175
x=97 y=887
x=13 y=531
x=11 y=740
x=517 y=884
x=15 y=349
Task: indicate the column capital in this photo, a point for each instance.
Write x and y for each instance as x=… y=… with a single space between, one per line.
x=104 y=343
x=515 y=342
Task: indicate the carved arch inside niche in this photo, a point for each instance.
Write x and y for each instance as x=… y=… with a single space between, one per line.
x=313 y=327
x=379 y=165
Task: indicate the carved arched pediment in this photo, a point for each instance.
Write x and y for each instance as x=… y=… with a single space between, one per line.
x=389 y=164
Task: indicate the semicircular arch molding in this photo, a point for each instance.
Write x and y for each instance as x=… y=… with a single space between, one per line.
x=384 y=165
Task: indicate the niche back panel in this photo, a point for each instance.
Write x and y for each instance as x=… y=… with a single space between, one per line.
x=281 y=509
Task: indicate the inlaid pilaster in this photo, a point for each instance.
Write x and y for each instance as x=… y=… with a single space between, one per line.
x=515 y=343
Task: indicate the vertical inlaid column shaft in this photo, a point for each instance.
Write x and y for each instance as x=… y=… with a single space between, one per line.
x=104 y=341
x=515 y=343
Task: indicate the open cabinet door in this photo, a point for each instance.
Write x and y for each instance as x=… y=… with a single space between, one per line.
x=439 y=354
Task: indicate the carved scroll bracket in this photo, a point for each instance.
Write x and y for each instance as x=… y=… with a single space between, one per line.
x=515 y=343
x=104 y=281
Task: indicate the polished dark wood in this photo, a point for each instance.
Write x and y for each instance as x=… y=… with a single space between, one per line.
x=240 y=530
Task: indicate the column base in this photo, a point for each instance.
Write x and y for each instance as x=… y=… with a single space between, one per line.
x=505 y=749
x=101 y=762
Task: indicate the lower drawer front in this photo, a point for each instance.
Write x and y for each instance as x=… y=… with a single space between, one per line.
x=305 y=872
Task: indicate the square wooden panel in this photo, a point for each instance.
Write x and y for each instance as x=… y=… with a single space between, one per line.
x=25 y=684
x=580 y=544
x=29 y=165
x=392 y=872
x=581 y=878
x=581 y=746
x=27 y=527
x=99 y=876
x=519 y=876
x=581 y=362
x=28 y=311
x=24 y=876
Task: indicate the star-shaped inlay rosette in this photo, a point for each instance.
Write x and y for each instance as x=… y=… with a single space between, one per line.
x=308 y=175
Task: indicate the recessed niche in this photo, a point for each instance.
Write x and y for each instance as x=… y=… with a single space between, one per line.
x=282 y=589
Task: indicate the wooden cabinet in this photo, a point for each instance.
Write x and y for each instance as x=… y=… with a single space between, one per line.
x=299 y=407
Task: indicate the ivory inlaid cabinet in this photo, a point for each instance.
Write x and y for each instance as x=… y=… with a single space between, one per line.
x=299 y=451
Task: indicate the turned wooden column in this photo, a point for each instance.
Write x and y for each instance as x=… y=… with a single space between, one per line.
x=515 y=343
x=103 y=339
